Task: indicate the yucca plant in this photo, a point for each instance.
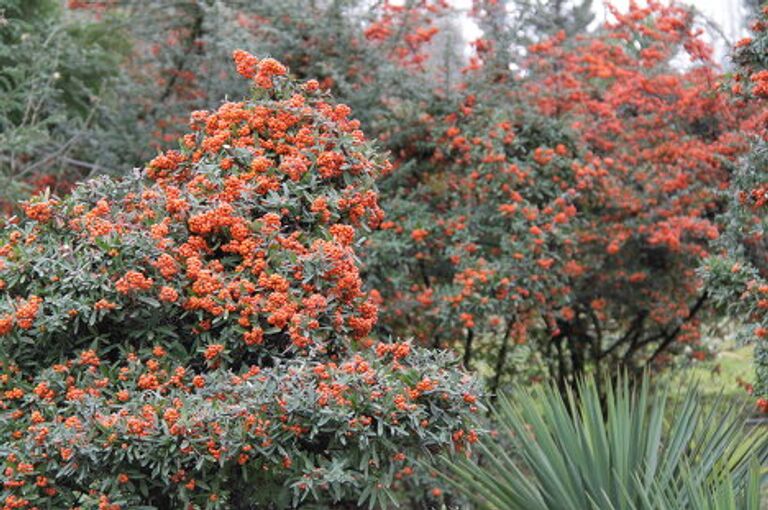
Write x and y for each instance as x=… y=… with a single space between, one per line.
x=634 y=449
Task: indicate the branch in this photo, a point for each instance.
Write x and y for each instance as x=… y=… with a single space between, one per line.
x=672 y=336
x=501 y=360
x=468 y=347
x=632 y=332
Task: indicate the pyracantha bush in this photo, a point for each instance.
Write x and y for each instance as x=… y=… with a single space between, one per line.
x=149 y=431
x=566 y=203
x=246 y=234
x=221 y=329
x=739 y=275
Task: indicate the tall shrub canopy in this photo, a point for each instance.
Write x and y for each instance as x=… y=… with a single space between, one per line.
x=566 y=204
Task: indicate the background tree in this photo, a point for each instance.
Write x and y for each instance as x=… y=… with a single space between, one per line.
x=566 y=204
x=57 y=87
x=547 y=17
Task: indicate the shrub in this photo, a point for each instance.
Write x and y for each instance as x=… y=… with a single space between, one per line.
x=245 y=234
x=635 y=449
x=150 y=431
x=210 y=308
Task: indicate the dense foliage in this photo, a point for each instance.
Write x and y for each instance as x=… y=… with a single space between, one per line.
x=555 y=191
x=198 y=332
x=567 y=205
x=739 y=274
x=254 y=317
x=58 y=80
